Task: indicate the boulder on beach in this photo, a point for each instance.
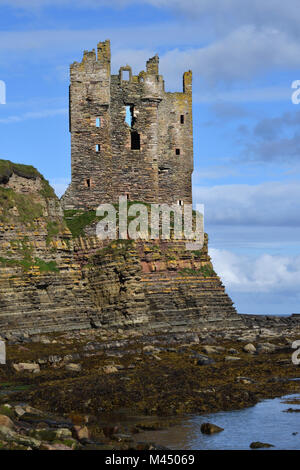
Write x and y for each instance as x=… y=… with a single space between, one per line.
x=209 y=428
x=260 y=445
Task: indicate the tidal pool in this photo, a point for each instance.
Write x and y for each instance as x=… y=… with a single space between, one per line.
x=265 y=422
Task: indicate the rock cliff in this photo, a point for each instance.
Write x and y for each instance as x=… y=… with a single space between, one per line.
x=53 y=279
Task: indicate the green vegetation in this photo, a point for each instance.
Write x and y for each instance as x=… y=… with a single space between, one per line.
x=28 y=210
x=206 y=271
x=116 y=248
x=26 y=260
x=54 y=228
x=7 y=168
x=27 y=263
x=51 y=266
x=77 y=221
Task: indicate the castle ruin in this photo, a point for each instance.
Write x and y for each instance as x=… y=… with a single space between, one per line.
x=128 y=135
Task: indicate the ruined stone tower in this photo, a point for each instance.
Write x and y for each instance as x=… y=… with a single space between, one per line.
x=128 y=136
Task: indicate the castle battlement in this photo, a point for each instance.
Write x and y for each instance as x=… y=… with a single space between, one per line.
x=128 y=135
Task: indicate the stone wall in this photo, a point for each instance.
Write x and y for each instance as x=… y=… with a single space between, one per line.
x=105 y=162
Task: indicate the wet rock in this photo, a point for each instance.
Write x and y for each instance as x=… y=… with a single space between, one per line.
x=12 y=436
x=209 y=340
x=27 y=367
x=260 y=445
x=57 y=446
x=249 y=348
x=212 y=349
x=6 y=410
x=231 y=358
x=150 y=349
x=233 y=351
x=54 y=359
x=6 y=422
x=266 y=348
x=209 y=428
x=292 y=410
x=277 y=380
x=42 y=361
x=73 y=367
x=244 y=380
x=81 y=432
x=110 y=369
x=157 y=358
x=204 y=360
x=44 y=340
x=109 y=431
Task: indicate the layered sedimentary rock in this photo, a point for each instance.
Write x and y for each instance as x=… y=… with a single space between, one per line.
x=158 y=285
x=51 y=281
x=41 y=286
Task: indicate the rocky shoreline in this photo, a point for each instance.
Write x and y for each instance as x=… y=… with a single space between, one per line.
x=91 y=380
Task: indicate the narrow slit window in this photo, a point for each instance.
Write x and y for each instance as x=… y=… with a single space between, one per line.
x=98 y=122
x=135 y=141
x=128 y=117
x=177 y=151
x=182 y=119
x=88 y=183
x=98 y=148
x=180 y=202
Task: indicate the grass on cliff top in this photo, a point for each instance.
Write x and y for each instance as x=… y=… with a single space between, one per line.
x=7 y=168
x=28 y=210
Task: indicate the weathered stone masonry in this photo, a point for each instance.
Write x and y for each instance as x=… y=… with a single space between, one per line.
x=150 y=158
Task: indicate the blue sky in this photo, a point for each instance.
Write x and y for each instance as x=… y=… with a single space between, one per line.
x=246 y=128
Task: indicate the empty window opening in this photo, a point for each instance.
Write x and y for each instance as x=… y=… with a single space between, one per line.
x=98 y=122
x=177 y=151
x=135 y=141
x=88 y=183
x=128 y=117
x=98 y=148
x=180 y=202
x=182 y=119
x=125 y=76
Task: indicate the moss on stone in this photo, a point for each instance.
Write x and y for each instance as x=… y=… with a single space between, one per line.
x=77 y=221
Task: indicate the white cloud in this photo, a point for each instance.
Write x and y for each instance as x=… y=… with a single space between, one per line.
x=264 y=273
x=267 y=204
x=240 y=55
x=245 y=95
x=34 y=115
